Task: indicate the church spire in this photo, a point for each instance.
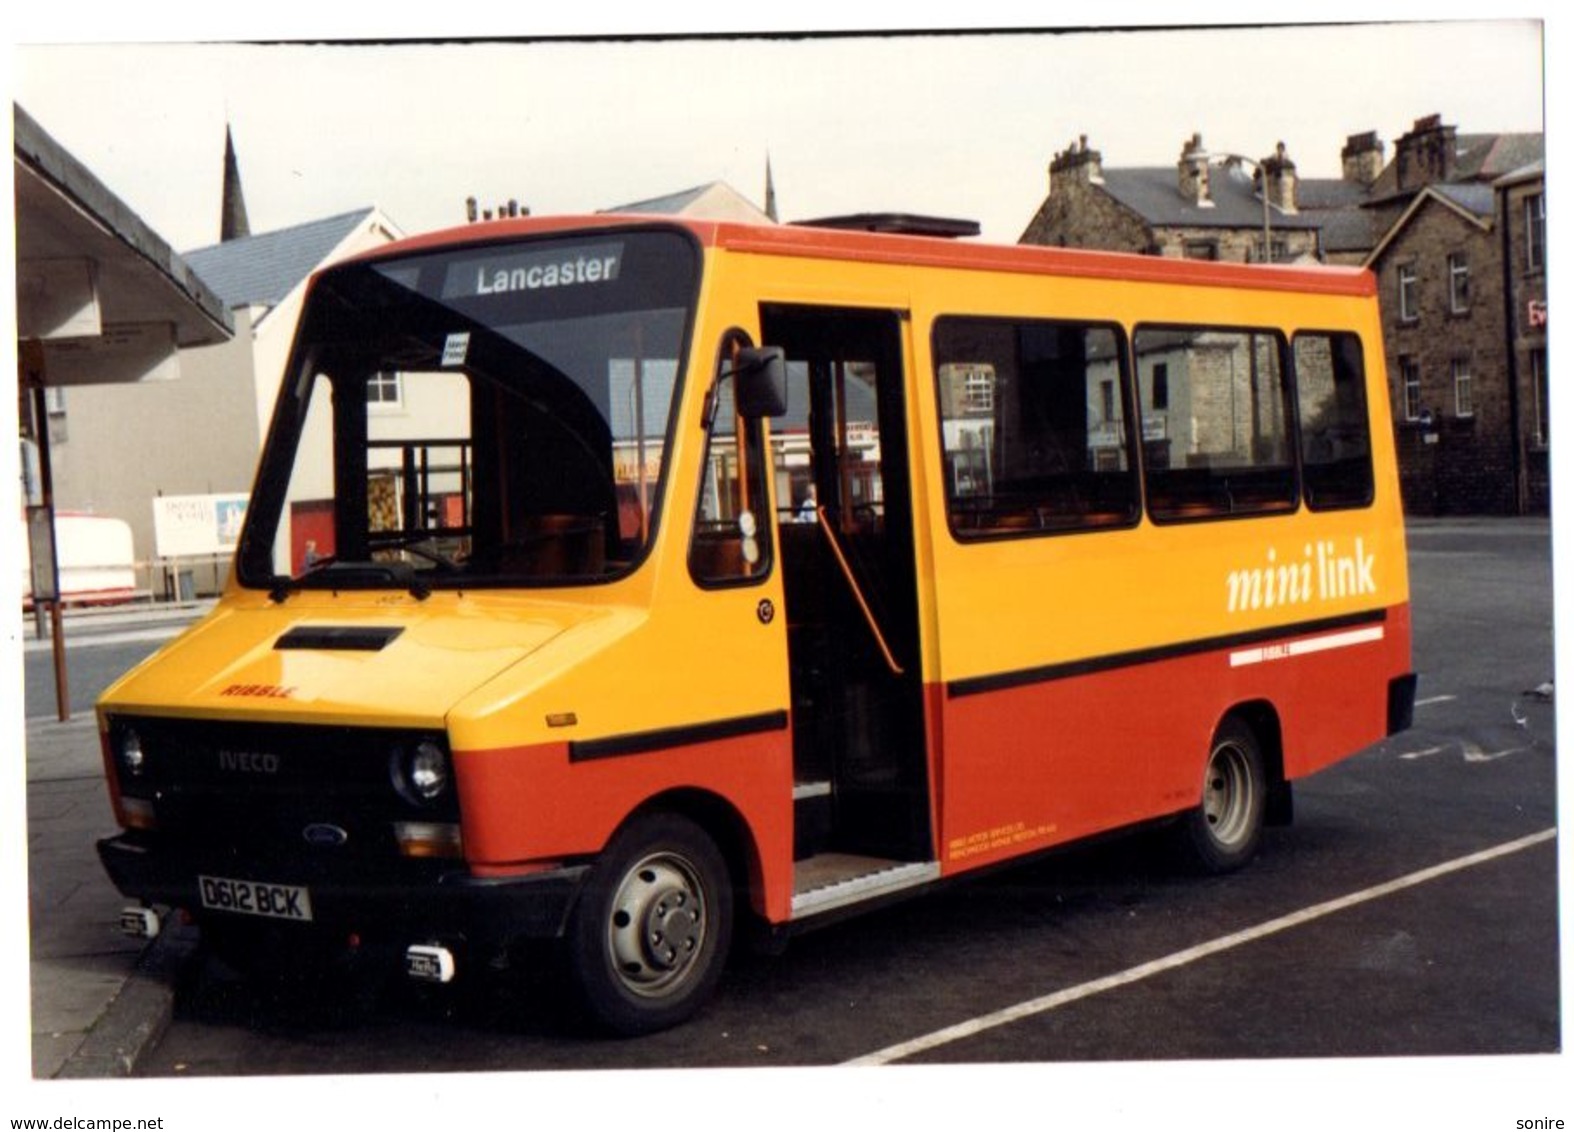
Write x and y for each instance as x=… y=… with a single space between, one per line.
x=232 y=223
x=770 y=192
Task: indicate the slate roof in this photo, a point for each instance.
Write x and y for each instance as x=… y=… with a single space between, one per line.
x=1350 y=216
x=1323 y=192
x=1351 y=229
x=261 y=270
x=1485 y=157
x=1536 y=169
x=1472 y=196
x=1335 y=206
x=1152 y=193
x=714 y=199
x=671 y=204
x=1477 y=157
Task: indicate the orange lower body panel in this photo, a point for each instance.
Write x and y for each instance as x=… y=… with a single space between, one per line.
x=535 y=803
x=1094 y=747
x=1018 y=763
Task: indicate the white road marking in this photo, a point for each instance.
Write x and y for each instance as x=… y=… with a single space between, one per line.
x=126 y=637
x=1474 y=754
x=1032 y=1007
x=1430 y=700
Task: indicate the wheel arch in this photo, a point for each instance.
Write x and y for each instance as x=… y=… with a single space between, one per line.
x=725 y=824
x=1264 y=720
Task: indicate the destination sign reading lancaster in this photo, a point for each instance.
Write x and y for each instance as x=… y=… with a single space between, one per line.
x=508 y=272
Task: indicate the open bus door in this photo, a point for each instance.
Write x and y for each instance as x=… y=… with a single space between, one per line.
x=847 y=555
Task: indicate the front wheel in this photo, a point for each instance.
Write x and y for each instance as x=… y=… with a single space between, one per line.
x=1222 y=833
x=650 y=934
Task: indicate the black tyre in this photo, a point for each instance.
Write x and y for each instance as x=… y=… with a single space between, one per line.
x=1223 y=832
x=650 y=934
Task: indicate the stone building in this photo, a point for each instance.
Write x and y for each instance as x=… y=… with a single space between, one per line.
x=1522 y=207
x=1461 y=277
x=1204 y=207
x=1454 y=227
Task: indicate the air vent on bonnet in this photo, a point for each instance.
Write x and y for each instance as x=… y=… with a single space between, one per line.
x=354 y=638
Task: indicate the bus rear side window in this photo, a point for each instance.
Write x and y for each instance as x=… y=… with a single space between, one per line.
x=1034 y=427
x=1336 y=442
x=1222 y=445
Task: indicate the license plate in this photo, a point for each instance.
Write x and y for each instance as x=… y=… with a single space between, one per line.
x=256 y=898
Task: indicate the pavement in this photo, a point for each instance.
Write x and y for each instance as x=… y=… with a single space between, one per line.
x=99 y=999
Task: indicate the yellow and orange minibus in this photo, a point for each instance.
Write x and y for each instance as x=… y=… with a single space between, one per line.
x=616 y=581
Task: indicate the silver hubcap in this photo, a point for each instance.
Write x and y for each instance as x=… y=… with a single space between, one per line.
x=1228 y=795
x=658 y=925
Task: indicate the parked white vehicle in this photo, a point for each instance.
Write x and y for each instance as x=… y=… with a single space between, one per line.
x=97 y=562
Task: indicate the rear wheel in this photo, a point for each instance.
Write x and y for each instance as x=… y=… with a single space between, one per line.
x=650 y=934
x=1222 y=833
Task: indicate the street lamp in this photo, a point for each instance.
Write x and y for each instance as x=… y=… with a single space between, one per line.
x=1262 y=176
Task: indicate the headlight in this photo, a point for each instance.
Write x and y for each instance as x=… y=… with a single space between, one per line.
x=132 y=758
x=421 y=773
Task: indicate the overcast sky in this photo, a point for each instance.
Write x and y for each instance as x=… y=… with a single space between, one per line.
x=956 y=125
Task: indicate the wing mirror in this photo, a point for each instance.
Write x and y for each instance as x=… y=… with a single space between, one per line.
x=761 y=376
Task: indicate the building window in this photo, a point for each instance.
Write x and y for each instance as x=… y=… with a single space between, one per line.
x=1278 y=251
x=1536 y=232
x=1410 y=383
x=1200 y=249
x=1409 y=310
x=978 y=392
x=384 y=389
x=1538 y=395
x=1464 y=404
x=1458 y=283
x=1161 y=386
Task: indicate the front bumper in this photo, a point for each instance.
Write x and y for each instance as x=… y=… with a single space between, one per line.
x=443 y=901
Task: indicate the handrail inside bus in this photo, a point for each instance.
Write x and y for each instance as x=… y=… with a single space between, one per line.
x=858 y=594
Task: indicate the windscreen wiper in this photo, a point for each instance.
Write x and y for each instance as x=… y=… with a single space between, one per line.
x=330 y=573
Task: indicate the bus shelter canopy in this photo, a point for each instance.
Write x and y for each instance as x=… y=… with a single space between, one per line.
x=105 y=295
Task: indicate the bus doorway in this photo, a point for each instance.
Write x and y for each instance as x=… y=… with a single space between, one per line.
x=846 y=539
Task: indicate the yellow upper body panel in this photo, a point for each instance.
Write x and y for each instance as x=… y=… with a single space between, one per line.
x=438 y=651
x=459 y=658
x=1070 y=596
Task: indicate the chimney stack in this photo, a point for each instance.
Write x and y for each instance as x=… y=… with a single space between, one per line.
x=1362 y=158
x=1077 y=162
x=1192 y=173
x=1425 y=155
x=1279 y=180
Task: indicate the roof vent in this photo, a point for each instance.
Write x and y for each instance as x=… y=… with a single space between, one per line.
x=897 y=223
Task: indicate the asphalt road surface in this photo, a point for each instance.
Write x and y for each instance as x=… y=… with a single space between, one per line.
x=1410 y=910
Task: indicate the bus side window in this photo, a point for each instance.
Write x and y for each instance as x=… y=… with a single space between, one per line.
x=731 y=541
x=1034 y=426
x=1336 y=443
x=1220 y=446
